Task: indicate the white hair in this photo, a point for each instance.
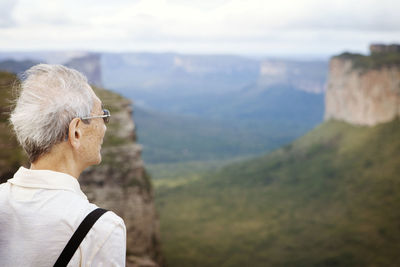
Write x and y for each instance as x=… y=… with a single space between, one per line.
x=50 y=97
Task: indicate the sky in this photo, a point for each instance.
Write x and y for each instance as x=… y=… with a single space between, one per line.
x=251 y=27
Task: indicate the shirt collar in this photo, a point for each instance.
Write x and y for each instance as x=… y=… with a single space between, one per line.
x=46 y=179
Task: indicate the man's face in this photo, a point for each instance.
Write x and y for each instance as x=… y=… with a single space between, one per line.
x=93 y=135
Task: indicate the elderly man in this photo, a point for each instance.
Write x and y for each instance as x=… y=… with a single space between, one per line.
x=60 y=123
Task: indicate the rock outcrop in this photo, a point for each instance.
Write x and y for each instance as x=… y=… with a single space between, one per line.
x=364 y=90
x=120 y=183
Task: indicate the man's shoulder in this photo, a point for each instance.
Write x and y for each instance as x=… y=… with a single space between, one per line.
x=112 y=218
x=108 y=222
x=108 y=228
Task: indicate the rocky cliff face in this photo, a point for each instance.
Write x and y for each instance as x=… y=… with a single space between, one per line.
x=363 y=90
x=120 y=183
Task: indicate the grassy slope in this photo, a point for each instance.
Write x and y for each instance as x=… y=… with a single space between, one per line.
x=332 y=198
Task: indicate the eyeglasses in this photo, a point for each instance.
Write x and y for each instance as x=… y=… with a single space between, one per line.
x=106 y=116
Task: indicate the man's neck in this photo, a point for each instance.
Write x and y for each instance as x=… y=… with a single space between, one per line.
x=59 y=159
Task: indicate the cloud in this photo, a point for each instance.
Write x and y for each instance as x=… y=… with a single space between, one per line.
x=256 y=19
x=208 y=25
x=368 y=15
x=6 y=11
x=44 y=13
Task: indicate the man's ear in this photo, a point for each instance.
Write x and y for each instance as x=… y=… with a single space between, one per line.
x=75 y=133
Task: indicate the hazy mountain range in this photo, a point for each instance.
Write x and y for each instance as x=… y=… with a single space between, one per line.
x=207 y=96
x=205 y=85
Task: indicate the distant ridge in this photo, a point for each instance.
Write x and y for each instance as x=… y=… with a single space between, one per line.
x=15 y=66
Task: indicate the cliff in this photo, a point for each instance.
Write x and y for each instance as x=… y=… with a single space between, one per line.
x=364 y=90
x=119 y=183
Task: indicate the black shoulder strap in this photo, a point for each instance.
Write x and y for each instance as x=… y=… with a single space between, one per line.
x=78 y=236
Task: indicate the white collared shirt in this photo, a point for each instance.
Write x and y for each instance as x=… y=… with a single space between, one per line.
x=39 y=212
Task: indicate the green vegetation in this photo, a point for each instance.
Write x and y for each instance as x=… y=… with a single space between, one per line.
x=169 y=171
x=373 y=61
x=175 y=138
x=170 y=175
x=332 y=198
x=11 y=155
x=111 y=100
x=116 y=104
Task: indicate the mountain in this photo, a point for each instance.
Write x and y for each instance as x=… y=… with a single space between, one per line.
x=184 y=75
x=308 y=76
x=216 y=102
x=211 y=86
x=85 y=62
x=247 y=125
x=51 y=57
x=328 y=199
x=211 y=107
x=205 y=107
x=197 y=84
x=15 y=66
